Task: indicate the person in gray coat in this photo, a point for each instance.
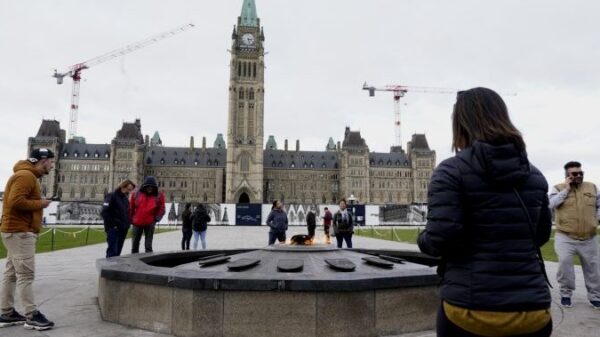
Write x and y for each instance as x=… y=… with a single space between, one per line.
x=278 y=222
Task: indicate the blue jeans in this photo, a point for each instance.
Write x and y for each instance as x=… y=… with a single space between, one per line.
x=341 y=237
x=279 y=236
x=202 y=236
x=115 y=237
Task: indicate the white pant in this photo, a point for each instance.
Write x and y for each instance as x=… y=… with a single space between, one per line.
x=587 y=250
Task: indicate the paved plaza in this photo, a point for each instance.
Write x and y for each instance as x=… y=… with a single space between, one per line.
x=66 y=286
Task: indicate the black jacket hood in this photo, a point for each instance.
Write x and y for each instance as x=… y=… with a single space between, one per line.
x=500 y=164
x=150 y=181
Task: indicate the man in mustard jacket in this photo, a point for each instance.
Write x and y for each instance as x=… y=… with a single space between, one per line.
x=576 y=204
x=21 y=222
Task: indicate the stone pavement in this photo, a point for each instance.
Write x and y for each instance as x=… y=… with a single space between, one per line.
x=66 y=287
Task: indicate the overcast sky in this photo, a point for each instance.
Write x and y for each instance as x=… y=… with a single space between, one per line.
x=319 y=55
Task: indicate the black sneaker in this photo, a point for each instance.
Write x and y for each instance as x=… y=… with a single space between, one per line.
x=565 y=302
x=37 y=321
x=11 y=318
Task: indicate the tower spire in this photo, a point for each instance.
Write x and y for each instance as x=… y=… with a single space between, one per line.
x=249 y=18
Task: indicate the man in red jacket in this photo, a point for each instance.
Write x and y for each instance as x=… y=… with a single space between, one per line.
x=146 y=208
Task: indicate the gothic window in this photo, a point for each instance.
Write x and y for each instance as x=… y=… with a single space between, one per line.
x=254 y=69
x=76 y=154
x=239 y=69
x=86 y=154
x=93 y=194
x=245 y=67
x=195 y=162
x=175 y=161
x=65 y=154
x=323 y=165
x=244 y=163
x=312 y=165
x=82 y=194
x=241 y=96
x=335 y=166
x=205 y=197
x=380 y=162
x=251 y=94
x=280 y=164
x=182 y=161
x=292 y=165
x=59 y=194
x=305 y=165
x=162 y=161
x=216 y=162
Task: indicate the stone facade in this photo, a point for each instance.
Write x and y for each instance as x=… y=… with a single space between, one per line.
x=244 y=169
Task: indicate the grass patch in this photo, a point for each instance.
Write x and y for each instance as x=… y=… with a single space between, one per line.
x=409 y=235
x=65 y=238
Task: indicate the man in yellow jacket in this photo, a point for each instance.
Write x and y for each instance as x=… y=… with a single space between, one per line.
x=576 y=205
x=23 y=207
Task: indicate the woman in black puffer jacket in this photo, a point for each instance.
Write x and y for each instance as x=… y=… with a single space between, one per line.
x=488 y=216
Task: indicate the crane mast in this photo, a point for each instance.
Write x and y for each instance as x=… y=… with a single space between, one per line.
x=75 y=70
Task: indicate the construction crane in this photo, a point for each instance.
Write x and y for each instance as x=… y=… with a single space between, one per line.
x=399 y=91
x=75 y=70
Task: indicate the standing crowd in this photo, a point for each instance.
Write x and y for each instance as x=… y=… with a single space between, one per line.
x=489 y=213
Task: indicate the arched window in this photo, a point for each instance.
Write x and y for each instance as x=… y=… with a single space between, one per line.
x=244 y=163
x=216 y=163
x=254 y=69
x=292 y=165
x=93 y=194
x=240 y=69
x=251 y=94
x=245 y=68
x=72 y=193
x=205 y=197
x=241 y=93
x=59 y=194
x=82 y=193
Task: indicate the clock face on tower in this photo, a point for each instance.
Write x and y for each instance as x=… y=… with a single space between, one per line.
x=248 y=40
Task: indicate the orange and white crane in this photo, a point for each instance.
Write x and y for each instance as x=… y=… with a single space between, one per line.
x=399 y=91
x=75 y=70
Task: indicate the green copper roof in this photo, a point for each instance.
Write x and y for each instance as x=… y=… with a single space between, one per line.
x=249 y=17
x=330 y=145
x=271 y=143
x=219 y=142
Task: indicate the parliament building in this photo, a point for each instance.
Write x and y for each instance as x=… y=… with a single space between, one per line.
x=243 y=168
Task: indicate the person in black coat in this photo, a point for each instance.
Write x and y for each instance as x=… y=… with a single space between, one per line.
x=487 y=217
x=200 y=220
x=115 y=212
x=311 y=223
x=186 y=226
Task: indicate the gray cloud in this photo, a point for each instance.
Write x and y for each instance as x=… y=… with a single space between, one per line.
x=320 y=52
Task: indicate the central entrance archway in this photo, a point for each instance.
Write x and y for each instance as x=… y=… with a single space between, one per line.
x=244 y=199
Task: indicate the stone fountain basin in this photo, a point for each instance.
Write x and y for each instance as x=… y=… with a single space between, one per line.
x=170 y=293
